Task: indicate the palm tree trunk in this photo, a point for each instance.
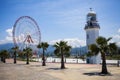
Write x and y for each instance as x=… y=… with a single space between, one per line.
x=43 y=58
x=62 y=61
x=27 y=59
x=104 y=66
x=15 y=57
x=4 y=60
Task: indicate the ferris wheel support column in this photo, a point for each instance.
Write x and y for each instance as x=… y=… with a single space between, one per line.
x=15 y=57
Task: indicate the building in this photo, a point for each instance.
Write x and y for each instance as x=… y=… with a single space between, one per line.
x=92 y=32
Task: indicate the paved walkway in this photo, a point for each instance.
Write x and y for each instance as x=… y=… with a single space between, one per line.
x=34 y=71
x=10 y=71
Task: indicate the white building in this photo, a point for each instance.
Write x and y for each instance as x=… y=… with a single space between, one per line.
x=92 y=32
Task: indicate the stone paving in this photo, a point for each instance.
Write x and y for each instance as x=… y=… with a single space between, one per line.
x=10 y=71
x=34 y=71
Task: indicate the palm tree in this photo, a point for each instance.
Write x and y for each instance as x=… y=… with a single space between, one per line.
x=28 y=54
x=62 y=49
x=103 y=46
x=21 y=54
x=15 y=50
x=44 y=46
x=4 y=54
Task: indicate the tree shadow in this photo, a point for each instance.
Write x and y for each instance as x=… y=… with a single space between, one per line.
x=35 y=65
x=9 y=63
x=97 y=74
x=55 y=69
x=21 y=64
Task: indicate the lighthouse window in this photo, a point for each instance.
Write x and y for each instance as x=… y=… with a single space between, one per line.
x=93 y=18
x=87 y=36
x=89 y=18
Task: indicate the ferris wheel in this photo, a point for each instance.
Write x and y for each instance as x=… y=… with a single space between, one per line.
x=26 y=33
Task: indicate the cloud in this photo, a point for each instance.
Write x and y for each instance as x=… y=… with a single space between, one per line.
x=118 y=43
x=9 y=36
x=3 y=41
x=119 y=30
x=116 y=38
x=9 y=31
x=74 y=42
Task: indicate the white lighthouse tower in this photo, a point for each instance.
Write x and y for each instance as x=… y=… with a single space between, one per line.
x=92 y=32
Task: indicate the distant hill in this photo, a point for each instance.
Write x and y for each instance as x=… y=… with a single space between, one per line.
x=74 y=51
x=79 y=50
x=6 y=46
x=50 y=50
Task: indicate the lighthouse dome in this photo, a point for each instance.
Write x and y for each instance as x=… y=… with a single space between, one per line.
x=91 y=20
x=91 y=13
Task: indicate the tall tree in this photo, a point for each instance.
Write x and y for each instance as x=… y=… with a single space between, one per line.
x=62 y=49
x=28 y=54
x=44 y=46
x=103 y=46
x=4 y=54
x=15 y=51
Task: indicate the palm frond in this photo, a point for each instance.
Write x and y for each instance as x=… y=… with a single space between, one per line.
x=101 y=41
x=109 y=38
x=113 y=47
x=94 y=49
x=62 y=48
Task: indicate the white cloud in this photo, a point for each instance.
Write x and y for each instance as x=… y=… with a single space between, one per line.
x=3 y=41
x=118 y=43
x=9 y=36
x=9 y=31
x=74 y=42
x=118 y=30
x=116 y=38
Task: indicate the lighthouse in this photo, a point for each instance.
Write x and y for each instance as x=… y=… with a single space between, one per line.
x=92 y=33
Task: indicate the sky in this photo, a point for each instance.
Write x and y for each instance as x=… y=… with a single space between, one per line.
x=61 y=19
